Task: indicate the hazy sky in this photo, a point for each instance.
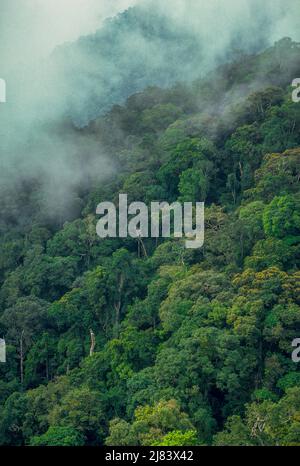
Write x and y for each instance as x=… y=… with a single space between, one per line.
x=30 y=29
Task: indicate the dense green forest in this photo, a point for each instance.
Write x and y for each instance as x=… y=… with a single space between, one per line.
x=193 y=347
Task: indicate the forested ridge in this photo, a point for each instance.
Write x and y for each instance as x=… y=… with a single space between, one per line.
x=193 y=347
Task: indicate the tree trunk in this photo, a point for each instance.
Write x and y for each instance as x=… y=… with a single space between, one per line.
x=93 y=343
x=118 y=304
x=21 y=358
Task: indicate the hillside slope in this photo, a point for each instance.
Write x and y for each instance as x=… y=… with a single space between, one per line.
x=192 y=346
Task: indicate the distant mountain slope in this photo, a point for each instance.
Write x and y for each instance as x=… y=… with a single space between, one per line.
x=191 y=345
x=145 y=46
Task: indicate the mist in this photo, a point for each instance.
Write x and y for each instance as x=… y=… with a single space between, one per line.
x=65 y=64
x=35 y=140
x=31 y=29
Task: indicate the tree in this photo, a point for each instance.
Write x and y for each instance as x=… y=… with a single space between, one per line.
x=193 y=153
x=281 y=217
x=59 y=436
x=81 y=410
x=266 y=424
x=24 y=322
x=179 y=439
x=151 y=425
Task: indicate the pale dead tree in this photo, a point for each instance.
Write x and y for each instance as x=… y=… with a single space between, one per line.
x=93 y=342
x=258 y=428
x=141 y=245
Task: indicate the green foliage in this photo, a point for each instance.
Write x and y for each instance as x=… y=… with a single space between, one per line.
x=192 y=347
x=266 y=423
x=152 y=423
x=59 y=436
x=178 y=438
x=281 y=217
x=81 y=410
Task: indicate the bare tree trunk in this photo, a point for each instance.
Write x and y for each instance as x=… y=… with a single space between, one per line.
x=93 y=342
x=47 y=361
x=118 y=304
x=117 y=317
x=22 y=358
x=47 y=368
x=141 y=245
